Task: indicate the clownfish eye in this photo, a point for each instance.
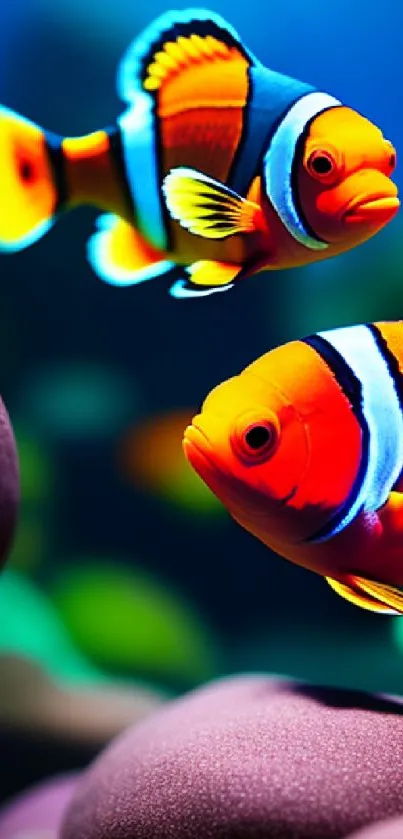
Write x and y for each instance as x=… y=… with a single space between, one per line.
x=256 y=440
x=321 y=164
x=391 y=152
x=258 y=437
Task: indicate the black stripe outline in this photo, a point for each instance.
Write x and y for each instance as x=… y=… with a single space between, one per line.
x=114 y=135
x=352 y=389
x=57 y=162
x=392 y=364
x=298 y=156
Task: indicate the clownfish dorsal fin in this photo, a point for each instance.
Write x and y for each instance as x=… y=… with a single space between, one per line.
x=375 y=597
x=174 y=41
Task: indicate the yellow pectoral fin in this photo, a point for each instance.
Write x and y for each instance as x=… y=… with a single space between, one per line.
x=375 y=597
x=207 y=207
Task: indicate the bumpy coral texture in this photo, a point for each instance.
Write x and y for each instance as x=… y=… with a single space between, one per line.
x=247 y=758
x=37 y=814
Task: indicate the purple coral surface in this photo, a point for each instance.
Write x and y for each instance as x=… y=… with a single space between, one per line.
x=38 y=811
x=247 y=758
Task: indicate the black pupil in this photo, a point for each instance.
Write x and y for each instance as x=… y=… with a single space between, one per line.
x=257 y=437
x=322 y=165
x=392 y=161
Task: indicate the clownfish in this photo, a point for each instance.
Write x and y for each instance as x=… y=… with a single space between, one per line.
x=305 y=450
x=217 y=165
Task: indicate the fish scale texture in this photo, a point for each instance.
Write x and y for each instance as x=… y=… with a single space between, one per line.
x=247 y=758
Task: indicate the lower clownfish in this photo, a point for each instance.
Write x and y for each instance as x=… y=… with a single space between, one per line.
x=305 y=450
x=218 y=165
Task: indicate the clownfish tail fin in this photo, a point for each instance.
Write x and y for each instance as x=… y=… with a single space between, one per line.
x=32 y=181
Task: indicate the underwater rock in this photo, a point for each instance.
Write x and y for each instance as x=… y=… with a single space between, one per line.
x=9 y=483
x=248 y=756
x=37 y=813
x=386 y=829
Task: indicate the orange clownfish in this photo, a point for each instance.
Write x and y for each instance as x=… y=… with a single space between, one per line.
x=218 y=165
x=305 y=450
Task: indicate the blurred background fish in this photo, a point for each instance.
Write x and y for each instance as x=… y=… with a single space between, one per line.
x=100 y=386
x=305 y=449
x=218 y=164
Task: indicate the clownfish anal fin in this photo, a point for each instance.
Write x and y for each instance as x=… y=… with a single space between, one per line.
x=207 y=207
x=173 y=42
x=120 y=256
x=375 y=597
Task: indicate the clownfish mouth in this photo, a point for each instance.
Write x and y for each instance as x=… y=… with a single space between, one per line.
x=194 y=445
x=199 y=454
x=372 y=208
x=195 y=440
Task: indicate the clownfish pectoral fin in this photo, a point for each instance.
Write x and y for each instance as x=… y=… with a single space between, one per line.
x=177 y=41
x=375 y=597
x=207 y=207
x=29 y=194
x=120 y=256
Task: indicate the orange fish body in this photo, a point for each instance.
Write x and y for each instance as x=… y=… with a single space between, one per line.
x=305 y=449
x=218 y=165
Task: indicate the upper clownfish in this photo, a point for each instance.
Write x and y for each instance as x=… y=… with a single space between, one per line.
x=217 y=164
x=305 y=449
